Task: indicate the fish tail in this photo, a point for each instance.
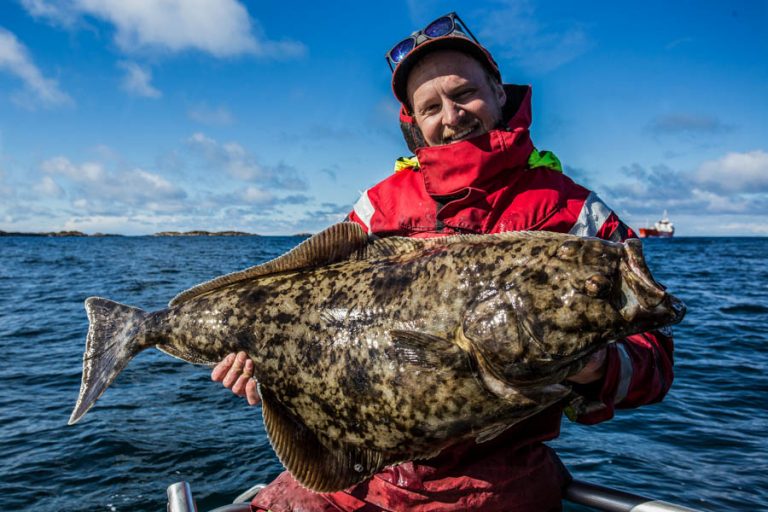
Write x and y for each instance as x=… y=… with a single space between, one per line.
x=114 y=338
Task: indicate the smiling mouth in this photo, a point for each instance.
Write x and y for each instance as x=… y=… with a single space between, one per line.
x=463 y=133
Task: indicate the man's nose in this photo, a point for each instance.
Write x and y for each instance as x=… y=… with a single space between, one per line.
x=452 y=114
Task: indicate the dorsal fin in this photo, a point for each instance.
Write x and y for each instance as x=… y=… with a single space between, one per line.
x=392 y=246
x=345 y=240
x=335 y=243
x=395 y=245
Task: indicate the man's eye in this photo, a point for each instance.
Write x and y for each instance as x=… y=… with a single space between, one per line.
x=466 y=93
x=430 y=110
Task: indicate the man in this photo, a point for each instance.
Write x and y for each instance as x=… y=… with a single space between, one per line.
x=477 y=171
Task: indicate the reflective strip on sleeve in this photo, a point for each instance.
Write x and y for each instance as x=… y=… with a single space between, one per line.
x=365 y=210
x=625 y=373
x=592 y=216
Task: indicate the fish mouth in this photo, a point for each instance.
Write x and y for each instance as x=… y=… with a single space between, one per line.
x=644 y=300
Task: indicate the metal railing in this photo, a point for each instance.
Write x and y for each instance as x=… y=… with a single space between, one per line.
x=180 y=498
x=606 y=499
x=600 y=498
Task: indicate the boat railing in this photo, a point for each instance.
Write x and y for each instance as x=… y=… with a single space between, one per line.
x=597 y=497
x=180 y=498
x=606 y=499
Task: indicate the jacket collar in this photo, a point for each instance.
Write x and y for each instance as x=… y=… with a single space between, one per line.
x=449 y=169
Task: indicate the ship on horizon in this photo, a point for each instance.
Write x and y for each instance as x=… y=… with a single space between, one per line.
x=662 y=229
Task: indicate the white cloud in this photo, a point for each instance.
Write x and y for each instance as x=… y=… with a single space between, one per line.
x=221 y=28
x=160 y=187
x=59 y=14
x=734 y=186
x=718 y=203
x=38 y=90
x=520 y=35
x=745 y=227
x=103 y=195
x=242 y=165
x=203 y=114
x=6 y=191
x=47 y=187
x=736 y=172
x=88 y=171
x=688 y=123
x=256 y=195
x=98 y=190
x=137 y=80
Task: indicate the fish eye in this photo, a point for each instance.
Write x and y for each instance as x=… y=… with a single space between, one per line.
x=597 y=286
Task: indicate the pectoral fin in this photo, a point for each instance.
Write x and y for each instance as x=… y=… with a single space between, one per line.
x=314 y=465
x=427 y=350
x=495 y=380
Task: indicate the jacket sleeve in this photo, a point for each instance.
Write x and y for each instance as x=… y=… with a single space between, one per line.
x=362 y=212
x=638 y=371
x=638 y=368
x=353 y=217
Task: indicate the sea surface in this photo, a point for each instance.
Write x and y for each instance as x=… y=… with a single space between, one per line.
x=163 y=421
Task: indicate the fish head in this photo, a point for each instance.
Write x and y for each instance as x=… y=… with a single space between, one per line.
x=557 y=299
x=604 y=290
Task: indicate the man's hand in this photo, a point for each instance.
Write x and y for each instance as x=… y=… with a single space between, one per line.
x=236 y=373
x=593 y=370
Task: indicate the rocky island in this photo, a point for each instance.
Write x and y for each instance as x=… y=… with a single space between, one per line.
x=60 y=234
x=57 y=234
x=204 y=233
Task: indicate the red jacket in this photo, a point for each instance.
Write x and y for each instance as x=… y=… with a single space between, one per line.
x=488 y=185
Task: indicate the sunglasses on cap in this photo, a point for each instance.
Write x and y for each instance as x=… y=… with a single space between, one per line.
x=442 y=26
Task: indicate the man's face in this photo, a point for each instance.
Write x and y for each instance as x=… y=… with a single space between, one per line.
x=452 y=98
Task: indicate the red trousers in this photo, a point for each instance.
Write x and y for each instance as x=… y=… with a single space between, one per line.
x=530 y=479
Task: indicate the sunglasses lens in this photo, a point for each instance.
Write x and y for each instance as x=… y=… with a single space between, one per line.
x=401 y=49
x=440 y=27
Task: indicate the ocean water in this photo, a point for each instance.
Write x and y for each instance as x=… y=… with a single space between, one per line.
x=163 y=420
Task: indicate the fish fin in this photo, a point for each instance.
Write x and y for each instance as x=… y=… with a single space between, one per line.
x=491 y=432
x=520 y=357
x=314 y=465
x=110 y=345
x=334 y=244
x=342 y=241
x=427 y=350
x=541 y=391
x=186 y=356
x=534 y=401
x=541 y=367
x=497 y=382
x=395 y=245
x=540 y=371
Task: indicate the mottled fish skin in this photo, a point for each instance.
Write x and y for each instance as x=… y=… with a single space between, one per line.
x=321 y=339
x=396 y=353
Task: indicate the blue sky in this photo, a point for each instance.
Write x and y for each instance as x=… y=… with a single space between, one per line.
x=271 y=117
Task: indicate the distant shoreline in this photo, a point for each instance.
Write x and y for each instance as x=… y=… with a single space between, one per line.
x=63 y=234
